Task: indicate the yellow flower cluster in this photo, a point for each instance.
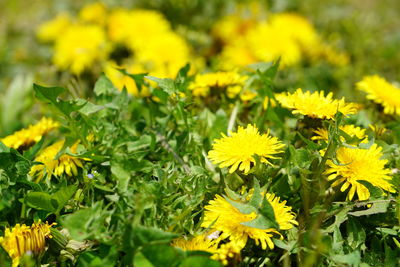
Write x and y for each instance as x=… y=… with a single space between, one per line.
x=55 y=166
x=29 y=136
x=98 y=33
x=22 y=239
x=231 y=81
x=287 y=36
x=315 y=105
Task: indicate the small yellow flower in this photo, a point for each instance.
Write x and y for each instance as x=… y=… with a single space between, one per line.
x=94 y=13
x=51 y=166
x=359 y=164
x=26 y=137
x=79 y=47
x=381 y=92
x=222 y=216
x=231 y=81
x=22 y=239
x=221 y=252
x=50 y=30
x=239 y=149
x=351 y=130
x=315 y=105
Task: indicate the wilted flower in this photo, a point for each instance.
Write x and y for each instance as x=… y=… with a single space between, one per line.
x=22 y=239
x=55 y=166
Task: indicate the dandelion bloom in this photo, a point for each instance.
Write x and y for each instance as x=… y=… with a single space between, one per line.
x=79 y=47
x=221 y=252
x=22 y=239
x=381 y=92
x=351 y=130
x=94 y=13
x=223 y=216
x=50 y=30
x=357 y=164
x=31 y=135
x=239 y=149
x=315 y=105
x=52 y=166
x=232 y=81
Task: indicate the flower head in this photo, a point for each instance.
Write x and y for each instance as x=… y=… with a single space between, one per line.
x=315 y=105
x=50 y=30
x=231 y=81
x=351 y=130
x=94 y=13
x=223 y=216
x=381 y=92
x=79 y=47
x=26 y=137
x=222 y=252
x=239 y=149
x=55 y=166
x=21 y=239
x=357 y=164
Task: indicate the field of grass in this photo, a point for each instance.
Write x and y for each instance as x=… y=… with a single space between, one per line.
x=199 y=133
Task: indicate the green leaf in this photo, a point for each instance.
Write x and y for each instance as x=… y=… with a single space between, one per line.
x=121 y=174
x=63 y=195
x=165 y=84
x=104 y=86
x=378 y=207
x=143 y=235
x=199 y=261
x=257 y=197
x=41 y=201
x=265 y=218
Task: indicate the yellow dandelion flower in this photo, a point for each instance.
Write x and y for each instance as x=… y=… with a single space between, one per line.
x=359 y=164
x=157 y=62
x=351 y=130
x=239 y=149
x=315 y=105
x=50 y=30
x=22 y=239
x=222 y=216
x=220 y=252
x=381 y=92
x=200 y=242
x=134 y=28
x=26 y=137
x=51 y=166
x=232 y=81
x=94 y=13
x=79 y=47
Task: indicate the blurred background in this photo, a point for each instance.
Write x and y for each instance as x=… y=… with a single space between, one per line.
x=358 y=38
